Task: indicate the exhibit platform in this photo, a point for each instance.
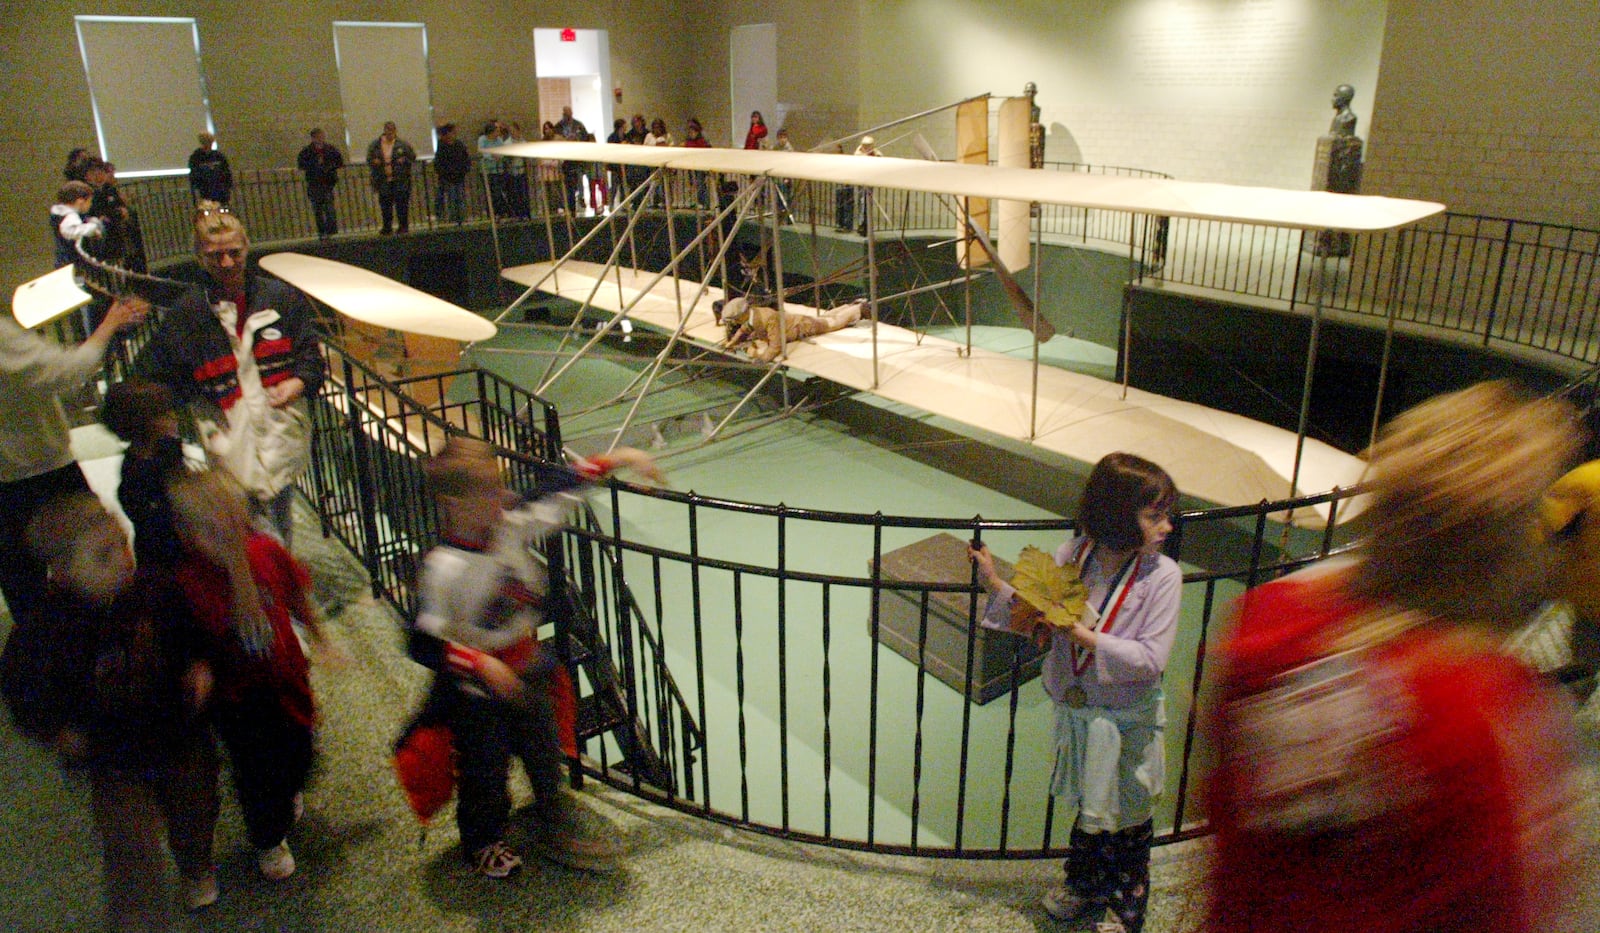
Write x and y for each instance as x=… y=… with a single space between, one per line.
x=1215 y=456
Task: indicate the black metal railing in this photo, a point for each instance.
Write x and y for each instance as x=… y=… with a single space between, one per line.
x=1497 y=281
x=824 y=710
x=274 y=206
x=822 y=702
x=371 y=434
x=797 y=716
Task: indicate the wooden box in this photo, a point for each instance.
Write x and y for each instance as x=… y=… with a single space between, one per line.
x=943 y=559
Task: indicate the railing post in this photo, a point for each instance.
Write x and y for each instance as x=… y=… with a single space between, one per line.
x=1299 y=258
x=365 y=493
x=1499 y=277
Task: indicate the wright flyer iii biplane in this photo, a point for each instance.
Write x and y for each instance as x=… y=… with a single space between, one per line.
x=1220 y=457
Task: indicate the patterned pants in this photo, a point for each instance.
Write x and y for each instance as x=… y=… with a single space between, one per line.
x=1113 y=869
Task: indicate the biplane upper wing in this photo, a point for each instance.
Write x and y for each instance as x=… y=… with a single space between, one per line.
x=1162 y=197
x=377 y=300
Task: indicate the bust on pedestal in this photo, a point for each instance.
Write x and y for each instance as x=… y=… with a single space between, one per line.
x=1338 y=166
x=1035 y=128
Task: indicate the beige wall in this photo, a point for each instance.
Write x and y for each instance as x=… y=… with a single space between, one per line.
x=819 y=65
x=1210 y=90
x=1491 y=106
x=1488 y=105
x=271 y=76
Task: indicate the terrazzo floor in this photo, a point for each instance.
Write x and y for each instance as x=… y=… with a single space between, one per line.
x=364 y=864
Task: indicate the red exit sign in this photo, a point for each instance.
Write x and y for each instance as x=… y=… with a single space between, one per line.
x=569 y=35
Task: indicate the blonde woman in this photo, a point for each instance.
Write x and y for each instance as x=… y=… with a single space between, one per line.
x=244 y=355
x=1384 y=764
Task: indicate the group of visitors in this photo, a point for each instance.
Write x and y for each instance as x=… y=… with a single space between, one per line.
x=1369 y=728
x=91 y=205
x=132 y=664
x=391 y=161
x=608 y=184
x=135 y=664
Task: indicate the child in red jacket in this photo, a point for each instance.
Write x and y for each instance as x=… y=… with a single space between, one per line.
x=246 y=591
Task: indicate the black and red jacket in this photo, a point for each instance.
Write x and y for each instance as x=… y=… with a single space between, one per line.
x=191 y=353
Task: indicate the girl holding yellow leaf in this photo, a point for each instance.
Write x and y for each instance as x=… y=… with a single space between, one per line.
x=1107 y=607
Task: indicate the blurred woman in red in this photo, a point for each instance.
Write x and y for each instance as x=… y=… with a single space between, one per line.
x=1384 y=765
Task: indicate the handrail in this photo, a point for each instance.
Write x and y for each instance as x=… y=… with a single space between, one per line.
x=1501 y=281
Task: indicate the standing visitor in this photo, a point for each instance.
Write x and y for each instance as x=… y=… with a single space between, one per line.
x=862 y=197
x=67 y=223
x=493 y=167
x=390 y=159
x=244 y=355
x=619 y=128
x=210 y=178
x=1104 y=673
x=451 y=163
x=321 y=164
x=572 y=129
x=754 y=138
x=516 y=169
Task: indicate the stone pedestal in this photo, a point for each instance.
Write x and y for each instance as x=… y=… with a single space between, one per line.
x=943 y=651
x=1337 y=168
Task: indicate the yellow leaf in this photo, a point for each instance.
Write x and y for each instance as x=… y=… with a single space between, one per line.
x=1053 y=590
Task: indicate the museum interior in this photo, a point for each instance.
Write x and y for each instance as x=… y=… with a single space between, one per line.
x=787 y=713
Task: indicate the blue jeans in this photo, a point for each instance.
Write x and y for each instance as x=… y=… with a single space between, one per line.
x=448 y=201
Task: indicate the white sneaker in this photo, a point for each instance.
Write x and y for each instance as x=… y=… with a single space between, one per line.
x=496 y=860
x=1062 y=903
x=200 y=893
x=276 y=863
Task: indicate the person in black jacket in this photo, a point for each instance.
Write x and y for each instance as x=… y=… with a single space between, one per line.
x=321 y=163
x=244 y=354
x=390 y=158
x=210 y=178
x=451 y=163
x=114 y=678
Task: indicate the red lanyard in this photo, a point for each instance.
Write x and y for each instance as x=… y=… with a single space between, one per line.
x=1119 y=591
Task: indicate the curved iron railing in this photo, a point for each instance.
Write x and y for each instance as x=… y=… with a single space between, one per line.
x=1497 y=281
x=798 y=719
x=833 y=693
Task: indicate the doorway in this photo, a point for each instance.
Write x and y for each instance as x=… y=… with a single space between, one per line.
x=573 y=67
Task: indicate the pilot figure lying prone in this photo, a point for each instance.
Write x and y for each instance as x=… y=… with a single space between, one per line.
x=755 y=326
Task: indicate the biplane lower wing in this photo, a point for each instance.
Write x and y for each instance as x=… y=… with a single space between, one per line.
x=47 y=297
x=1239 y=461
